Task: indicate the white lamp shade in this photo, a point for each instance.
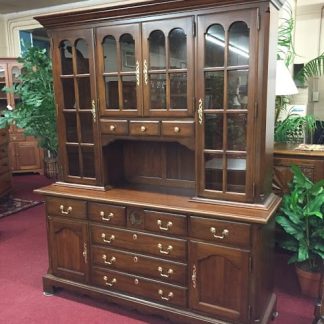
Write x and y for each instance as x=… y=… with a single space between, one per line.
x=285 y=85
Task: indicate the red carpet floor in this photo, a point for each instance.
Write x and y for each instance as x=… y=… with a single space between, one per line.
x=23 y=261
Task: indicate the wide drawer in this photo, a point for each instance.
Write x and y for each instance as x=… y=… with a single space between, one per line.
x=137 y=286
x=169 y=248
x=4 y=137
x=114 y=127
x=105 y=213
x=178 y=129
x=171 y=272
x=144 y=128
x=175 y=224
x=66 y=207
x=4 y=165
x=219 y=231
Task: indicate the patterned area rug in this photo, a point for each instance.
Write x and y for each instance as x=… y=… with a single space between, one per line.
x=12 y=205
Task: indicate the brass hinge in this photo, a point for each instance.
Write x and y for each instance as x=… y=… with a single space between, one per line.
x=258 y=19
x=250 y=264
x=253 y=189
x=256 y=110
x=250 y=312
x=194 y=29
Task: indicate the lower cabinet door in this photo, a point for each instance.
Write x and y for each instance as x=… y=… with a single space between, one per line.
x=219 y=281
x=68 y=245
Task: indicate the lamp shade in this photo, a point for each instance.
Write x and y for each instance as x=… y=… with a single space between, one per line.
x=285 y=85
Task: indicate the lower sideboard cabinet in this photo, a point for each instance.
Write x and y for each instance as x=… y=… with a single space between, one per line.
x=183 y=266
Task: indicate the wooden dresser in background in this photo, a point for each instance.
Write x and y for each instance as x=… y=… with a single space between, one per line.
x=24 y=153
x=5 y=174
x=311 y=163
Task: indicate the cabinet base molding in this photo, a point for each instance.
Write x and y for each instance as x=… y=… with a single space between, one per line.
x=51 y=282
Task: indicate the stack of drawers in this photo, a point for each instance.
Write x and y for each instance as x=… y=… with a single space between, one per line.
x=147 y=259
x=5 y=175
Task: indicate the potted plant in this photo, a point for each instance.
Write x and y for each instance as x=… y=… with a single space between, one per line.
x=301 y=218
x=35 y=113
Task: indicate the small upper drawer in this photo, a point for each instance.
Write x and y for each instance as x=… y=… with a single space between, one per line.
x=66 y=207
x=4 y=137
x=165 y=222
x=114 y=127
x=144 y=128
x=178 y=129
x=218 y=231
x=105 y=213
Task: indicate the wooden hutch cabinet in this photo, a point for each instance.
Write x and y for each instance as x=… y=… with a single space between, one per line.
x=165 y=116
x=24 y=153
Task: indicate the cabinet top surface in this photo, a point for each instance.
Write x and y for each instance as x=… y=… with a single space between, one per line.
x=138 y=8
x=299 y=150
x=251 y=213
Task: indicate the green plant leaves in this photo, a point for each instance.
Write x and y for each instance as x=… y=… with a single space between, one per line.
x=301 y=218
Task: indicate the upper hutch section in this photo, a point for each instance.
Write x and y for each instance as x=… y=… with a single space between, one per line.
x=173 y=96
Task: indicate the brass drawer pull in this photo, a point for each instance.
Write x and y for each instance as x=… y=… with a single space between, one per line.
x=165 y=275
x=106 y=218
x=176 y=129
x=110 y=284
x=170 y=295
x=112 y=128
x=135 y=259
x=162 y=228
x=143 y=129
x=65 y=212
x=110 y=262
x=112 y=237
x=168 y=251
x=136 y=281
x=224 y=233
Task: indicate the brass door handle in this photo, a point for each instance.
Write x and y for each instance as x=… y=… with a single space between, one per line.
x=67 y=211
x=137 y=73
x=112 y=237
x=225 y=233
x=200 y=111
x=194 y=276
x=164 y=228
x=167 y=251
x=85 y=252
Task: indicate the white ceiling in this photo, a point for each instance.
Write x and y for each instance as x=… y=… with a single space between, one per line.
x=11 y=6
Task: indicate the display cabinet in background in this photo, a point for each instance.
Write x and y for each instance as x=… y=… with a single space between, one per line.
x=24 y=153
x=164 y=203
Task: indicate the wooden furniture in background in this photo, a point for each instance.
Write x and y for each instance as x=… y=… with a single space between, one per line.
x=311 y=163
x=24 y=153
x=5 y=175
x=164 y=202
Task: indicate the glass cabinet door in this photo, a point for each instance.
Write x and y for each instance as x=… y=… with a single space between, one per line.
x=119 y=80
x=226 y=56
x=76 y=99
x=14 y=71
x=168 y=67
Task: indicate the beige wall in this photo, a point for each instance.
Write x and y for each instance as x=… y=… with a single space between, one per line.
x=3 y=38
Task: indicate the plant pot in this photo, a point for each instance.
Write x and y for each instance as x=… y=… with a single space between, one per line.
x=309 y=282
x=51 y=167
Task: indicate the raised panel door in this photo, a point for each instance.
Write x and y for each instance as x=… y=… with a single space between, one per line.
x=168 y=67
x=219 y=281
x=226 y=104
x=68 y=245
x=74 y=76
x=27 y=156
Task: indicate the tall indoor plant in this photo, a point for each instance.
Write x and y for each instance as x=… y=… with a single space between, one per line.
x=302 y=221
x=35 y=112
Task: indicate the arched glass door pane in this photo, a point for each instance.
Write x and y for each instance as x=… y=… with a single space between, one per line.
x=82 y=56
x=110 y=54
x=157 y=50
x=66 y=57
x=214 y=46
x=127 y=48
x=177 y=49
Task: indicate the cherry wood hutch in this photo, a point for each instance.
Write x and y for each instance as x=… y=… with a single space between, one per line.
x=165 y=115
